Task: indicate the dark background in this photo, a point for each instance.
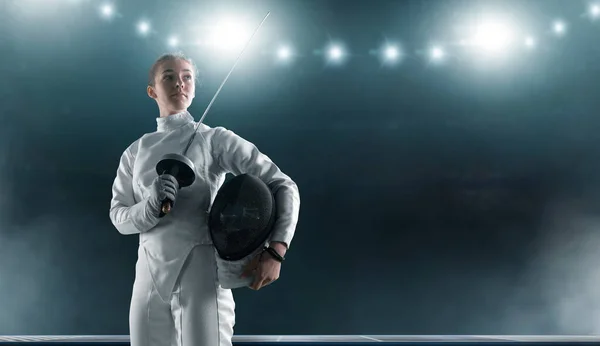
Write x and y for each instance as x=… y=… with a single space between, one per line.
x=458 y=198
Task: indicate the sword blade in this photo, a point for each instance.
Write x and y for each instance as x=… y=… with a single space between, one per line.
x=223 y=83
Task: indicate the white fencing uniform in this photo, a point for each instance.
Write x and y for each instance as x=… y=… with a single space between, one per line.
x=177 y=299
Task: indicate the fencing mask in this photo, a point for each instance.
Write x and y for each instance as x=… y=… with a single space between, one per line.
x=240 y=222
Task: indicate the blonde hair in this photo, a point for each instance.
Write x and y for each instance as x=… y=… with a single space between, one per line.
x=171 y=57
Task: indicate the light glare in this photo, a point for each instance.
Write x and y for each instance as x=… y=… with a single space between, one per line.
x=335 y=53
x=492 y=37
x=595 y=11
x=530 y=42
x=143 y=27
x=391 y=53
x=284 y=53
x=228 y=35
x=559 y=27
x=106 y=11
x=437 y=53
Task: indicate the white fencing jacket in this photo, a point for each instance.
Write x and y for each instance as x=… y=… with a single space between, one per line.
x=215 y=152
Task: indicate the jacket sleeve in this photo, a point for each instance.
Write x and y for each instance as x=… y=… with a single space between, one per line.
x=238 y=156
x=126 y=215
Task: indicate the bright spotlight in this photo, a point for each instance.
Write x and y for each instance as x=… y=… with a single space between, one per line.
x=284 y=53
x=336 y=53
x=106 y=10
x=530 y=42
x=492 y=37
x=595 y=11
x=559 y=27
x=173 y=41
x=437 y=53
x=391 y=53
x=143 y=27
x=228 y=35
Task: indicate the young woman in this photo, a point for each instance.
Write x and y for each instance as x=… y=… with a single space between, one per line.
x=177 y=299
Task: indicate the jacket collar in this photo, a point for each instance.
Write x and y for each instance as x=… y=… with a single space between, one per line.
x=173 y=121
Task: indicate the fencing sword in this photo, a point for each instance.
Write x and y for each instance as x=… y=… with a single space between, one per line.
x=179 y=165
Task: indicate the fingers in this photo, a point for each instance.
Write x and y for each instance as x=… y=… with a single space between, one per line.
x=257 y=284
x=169 y=186
x=169 y=180
x=170 y=196
x=169 y=190
x=261 y=281
x=253 y=270
x=262 y=278
x=164 y=188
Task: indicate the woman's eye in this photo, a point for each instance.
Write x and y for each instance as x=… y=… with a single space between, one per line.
x=188 y=77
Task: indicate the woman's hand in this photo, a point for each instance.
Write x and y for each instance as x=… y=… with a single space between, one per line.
x=264 y=267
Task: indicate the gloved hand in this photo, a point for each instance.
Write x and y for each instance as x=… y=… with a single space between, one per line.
x=163 y=187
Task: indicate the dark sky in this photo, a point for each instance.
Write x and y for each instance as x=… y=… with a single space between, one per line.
x=458 y=198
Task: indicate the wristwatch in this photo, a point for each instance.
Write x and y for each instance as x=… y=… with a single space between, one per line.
x=274 y=254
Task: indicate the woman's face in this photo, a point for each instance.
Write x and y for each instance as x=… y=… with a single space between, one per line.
x=174 y=87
